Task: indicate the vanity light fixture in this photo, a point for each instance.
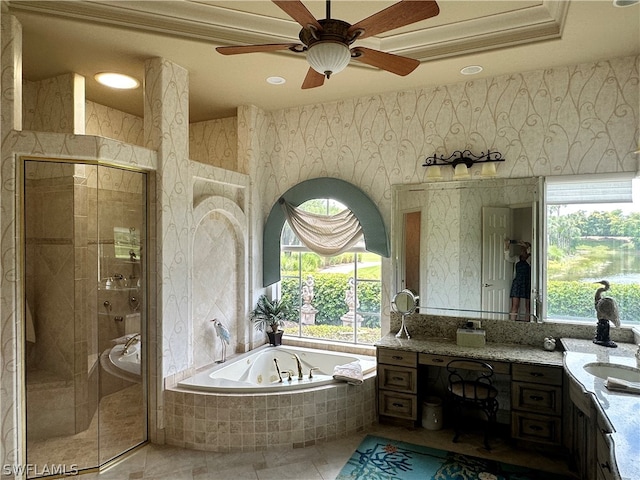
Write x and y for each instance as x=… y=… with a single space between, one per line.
x=462 y=161
x=116 y=80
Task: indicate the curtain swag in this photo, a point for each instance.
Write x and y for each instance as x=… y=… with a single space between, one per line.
x=325 y=235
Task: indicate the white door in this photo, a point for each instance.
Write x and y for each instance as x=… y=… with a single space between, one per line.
x=496 y=272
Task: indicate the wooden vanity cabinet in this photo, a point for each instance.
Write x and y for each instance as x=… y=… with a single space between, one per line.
x=580 y=423
x=397 y=384
x=606 y=468
x=536 y=403
x=589 y=437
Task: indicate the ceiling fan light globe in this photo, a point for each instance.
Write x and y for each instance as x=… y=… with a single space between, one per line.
x=328 y=58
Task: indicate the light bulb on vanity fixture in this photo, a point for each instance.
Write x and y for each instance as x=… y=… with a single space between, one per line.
x=488 y=170
x=461 y=171
x=434 y=173
x=462 y=161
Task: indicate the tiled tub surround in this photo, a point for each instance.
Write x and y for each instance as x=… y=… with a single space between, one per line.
x=220 y=422
x=621 y=409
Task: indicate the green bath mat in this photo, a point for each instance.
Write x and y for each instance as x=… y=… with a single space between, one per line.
x=383 y=459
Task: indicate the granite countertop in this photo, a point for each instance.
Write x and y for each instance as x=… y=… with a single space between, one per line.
x=505 y=352
x=621 y=409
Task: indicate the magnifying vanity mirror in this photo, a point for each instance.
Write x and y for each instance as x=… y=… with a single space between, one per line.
x=449 y=245
x=404 y=303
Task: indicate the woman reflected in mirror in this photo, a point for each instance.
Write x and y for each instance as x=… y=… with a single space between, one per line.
x=521 y=285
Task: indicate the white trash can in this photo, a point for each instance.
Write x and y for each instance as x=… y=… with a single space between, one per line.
x=432 y=417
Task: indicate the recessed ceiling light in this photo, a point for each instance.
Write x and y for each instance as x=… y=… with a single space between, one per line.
x=471 y=70
x=276 y=80
x=625 y=3
x=117 y=80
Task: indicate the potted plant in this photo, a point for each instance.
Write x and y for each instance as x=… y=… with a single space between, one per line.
x=268 y=316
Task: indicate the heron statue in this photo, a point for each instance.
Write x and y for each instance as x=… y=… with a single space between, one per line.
x=607 y=311
x=225 y=337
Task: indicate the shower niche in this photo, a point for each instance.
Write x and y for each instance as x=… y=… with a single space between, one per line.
x=85 y=289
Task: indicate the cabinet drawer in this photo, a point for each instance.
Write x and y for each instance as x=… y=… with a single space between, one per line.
x=399 y=405
x=400 y=379
x=537 y=374
x=536 y=428
x=397 y=357
x=443 y=361
x=536 y=398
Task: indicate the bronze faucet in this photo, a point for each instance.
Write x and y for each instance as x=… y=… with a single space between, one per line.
x=132 y=341
x=300 y=376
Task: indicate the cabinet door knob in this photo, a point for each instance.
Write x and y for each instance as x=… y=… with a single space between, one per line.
x=397 y=357
x=536 y=398
x=396 y=404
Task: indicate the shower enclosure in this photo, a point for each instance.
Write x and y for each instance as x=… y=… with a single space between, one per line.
x=85 y=284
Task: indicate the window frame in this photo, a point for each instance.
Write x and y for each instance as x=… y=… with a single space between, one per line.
x=356 y=249
x=544 y=237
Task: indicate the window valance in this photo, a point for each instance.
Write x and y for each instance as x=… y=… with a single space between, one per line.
x=325 y=235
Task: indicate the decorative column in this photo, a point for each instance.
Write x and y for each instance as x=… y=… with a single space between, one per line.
x=11 y=358
x=166 y=130
x=11 y=74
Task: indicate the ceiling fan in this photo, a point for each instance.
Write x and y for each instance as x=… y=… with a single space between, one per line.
x=327 y=42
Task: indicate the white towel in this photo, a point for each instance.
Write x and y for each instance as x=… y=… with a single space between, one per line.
x=350 y=373
x=617 y=384
x=30 y=329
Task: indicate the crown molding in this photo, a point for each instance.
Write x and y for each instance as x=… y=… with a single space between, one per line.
x=224 y=26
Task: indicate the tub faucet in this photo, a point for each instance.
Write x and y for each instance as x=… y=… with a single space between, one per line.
x=132 y=341
x=300 y=376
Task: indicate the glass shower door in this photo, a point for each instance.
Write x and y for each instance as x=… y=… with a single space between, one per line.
x=85 y=311
x=121 y=300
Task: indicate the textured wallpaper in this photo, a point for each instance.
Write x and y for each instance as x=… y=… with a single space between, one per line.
x=215 y=142
x=111 y=123
x=50 y=107
x=566 y=120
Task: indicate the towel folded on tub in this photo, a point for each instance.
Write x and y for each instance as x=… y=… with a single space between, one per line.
x=350 y=373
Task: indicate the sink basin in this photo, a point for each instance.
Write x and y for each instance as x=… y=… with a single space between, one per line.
x=605 y=370
x=129 y=362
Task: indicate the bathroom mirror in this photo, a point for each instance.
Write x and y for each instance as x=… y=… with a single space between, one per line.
x=458 y=247
x=404 y=302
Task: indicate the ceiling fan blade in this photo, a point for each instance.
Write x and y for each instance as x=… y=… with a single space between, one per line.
x=387 y=61
x=267 y=47
x=397 y=15
x=313 y=79
x=296 y=10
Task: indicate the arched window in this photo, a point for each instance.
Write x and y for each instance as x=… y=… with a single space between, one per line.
x=336 y=297
x=338 y=287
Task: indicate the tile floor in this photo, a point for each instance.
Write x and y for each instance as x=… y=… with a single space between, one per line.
x=117 y=426
x=320 y=462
